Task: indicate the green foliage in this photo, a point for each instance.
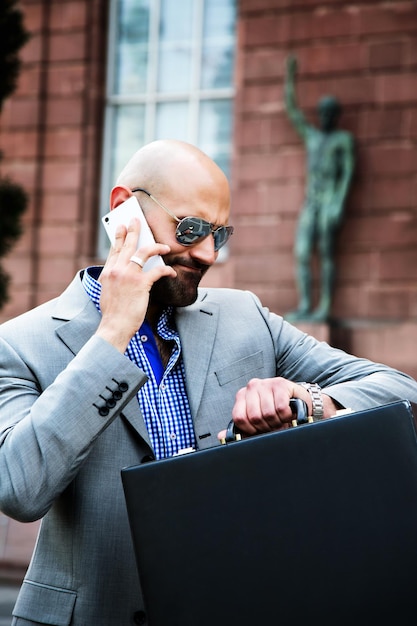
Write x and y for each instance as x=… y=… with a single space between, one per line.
x=12 y=37
x=13 y=199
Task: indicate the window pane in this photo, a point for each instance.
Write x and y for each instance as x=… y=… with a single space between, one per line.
x=128 y=136
x=218 y=43
x=130 y=74
x=175 y=45
x=172 y=121
x=215 y=130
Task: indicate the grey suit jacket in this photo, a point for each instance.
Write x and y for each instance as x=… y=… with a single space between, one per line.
x=64 y=436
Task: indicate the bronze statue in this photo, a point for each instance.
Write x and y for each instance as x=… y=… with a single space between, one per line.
x=330 y=162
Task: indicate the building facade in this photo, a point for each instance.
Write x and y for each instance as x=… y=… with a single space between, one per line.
x=55 y=140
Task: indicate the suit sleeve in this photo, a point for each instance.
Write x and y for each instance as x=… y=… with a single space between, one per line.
x=353 y=382
x=46 y=435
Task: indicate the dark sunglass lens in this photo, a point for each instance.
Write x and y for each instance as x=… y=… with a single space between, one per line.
x=221 y=236
x=190 y=229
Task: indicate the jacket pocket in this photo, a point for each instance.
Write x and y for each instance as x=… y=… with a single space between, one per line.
x=246 y=368
x=44 y=604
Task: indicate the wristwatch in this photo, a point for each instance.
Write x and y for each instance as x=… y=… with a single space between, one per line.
x=316 y=399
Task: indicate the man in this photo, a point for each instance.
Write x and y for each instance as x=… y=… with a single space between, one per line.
x=128 y=365
x=330 y=162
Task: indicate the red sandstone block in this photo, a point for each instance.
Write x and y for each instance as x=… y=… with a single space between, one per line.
x=20 y=144
x=68 y=14
x=333 y=23
x=393 y=194
x=66 y=80
x=350 y=90
x=32 y=15
x=390 y=54
x=262 y=132
x=246 y=200
x=271 y=166
x=381 y=124
x=32 y=51
x=263 y=269
x=266 y=235
x=388 y=160
x=60 y=269
x=59 y=176
x=349 y=301
x=49 y=292
x=60 y=207
x=19 y=302
x=261 y=5
x=412 y=115
x=353 y=266
x=332 y=58
x=389 y=17
x=59 y=241
x=21 y=172
x=376 y=195
x=20 y=113
x=63 y=142
x=411 y=51
x=389 y=302
x=19 y=267
x=64 y=111
x=28 y=83
x=386 y=230
x=396 y=89
x=277 y=298
x=260 y=31
x=279 y=131
x=250 y=132
x=261 y=99
x=398 y=264
x=263 y=63
x=284 y=198
x=68 y=46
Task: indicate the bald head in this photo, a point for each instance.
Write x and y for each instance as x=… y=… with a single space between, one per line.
x=166 y=164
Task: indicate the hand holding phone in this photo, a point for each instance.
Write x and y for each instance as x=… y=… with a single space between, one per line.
x=123 y=214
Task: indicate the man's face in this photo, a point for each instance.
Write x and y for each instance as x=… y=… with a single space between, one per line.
x=190 y=262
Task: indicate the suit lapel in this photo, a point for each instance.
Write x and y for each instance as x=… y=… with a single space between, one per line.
x=197 y=326
x=80 y=321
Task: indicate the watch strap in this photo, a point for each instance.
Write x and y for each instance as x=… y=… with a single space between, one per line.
x=316 y=399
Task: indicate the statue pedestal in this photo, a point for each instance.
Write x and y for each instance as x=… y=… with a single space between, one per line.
x=318 y=330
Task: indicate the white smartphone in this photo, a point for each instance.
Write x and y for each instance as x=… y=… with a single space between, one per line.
x=122 y=214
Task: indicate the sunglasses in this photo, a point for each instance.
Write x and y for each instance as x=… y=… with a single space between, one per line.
x=191 y=230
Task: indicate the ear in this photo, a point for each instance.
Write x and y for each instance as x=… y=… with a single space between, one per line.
x=119 y=194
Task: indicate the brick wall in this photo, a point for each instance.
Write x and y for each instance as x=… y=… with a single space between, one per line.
x=365 y=54
x=50 y=137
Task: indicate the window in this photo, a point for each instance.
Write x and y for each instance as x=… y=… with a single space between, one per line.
x=170 y=75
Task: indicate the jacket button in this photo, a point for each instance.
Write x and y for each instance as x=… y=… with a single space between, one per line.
x=139 y=618
x=111 y=403
x=104 y=410
x=123 y=386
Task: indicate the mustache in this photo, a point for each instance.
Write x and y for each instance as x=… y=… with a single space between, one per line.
x=191 y=263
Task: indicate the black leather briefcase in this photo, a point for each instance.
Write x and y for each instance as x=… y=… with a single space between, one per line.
x=314 y=523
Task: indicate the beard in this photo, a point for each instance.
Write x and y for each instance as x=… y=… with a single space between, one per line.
x=181 y=290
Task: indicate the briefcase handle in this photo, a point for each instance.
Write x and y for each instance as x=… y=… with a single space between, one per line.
x=299 y=410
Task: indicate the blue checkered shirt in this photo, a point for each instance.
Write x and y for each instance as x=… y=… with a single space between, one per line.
x=163 y=398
